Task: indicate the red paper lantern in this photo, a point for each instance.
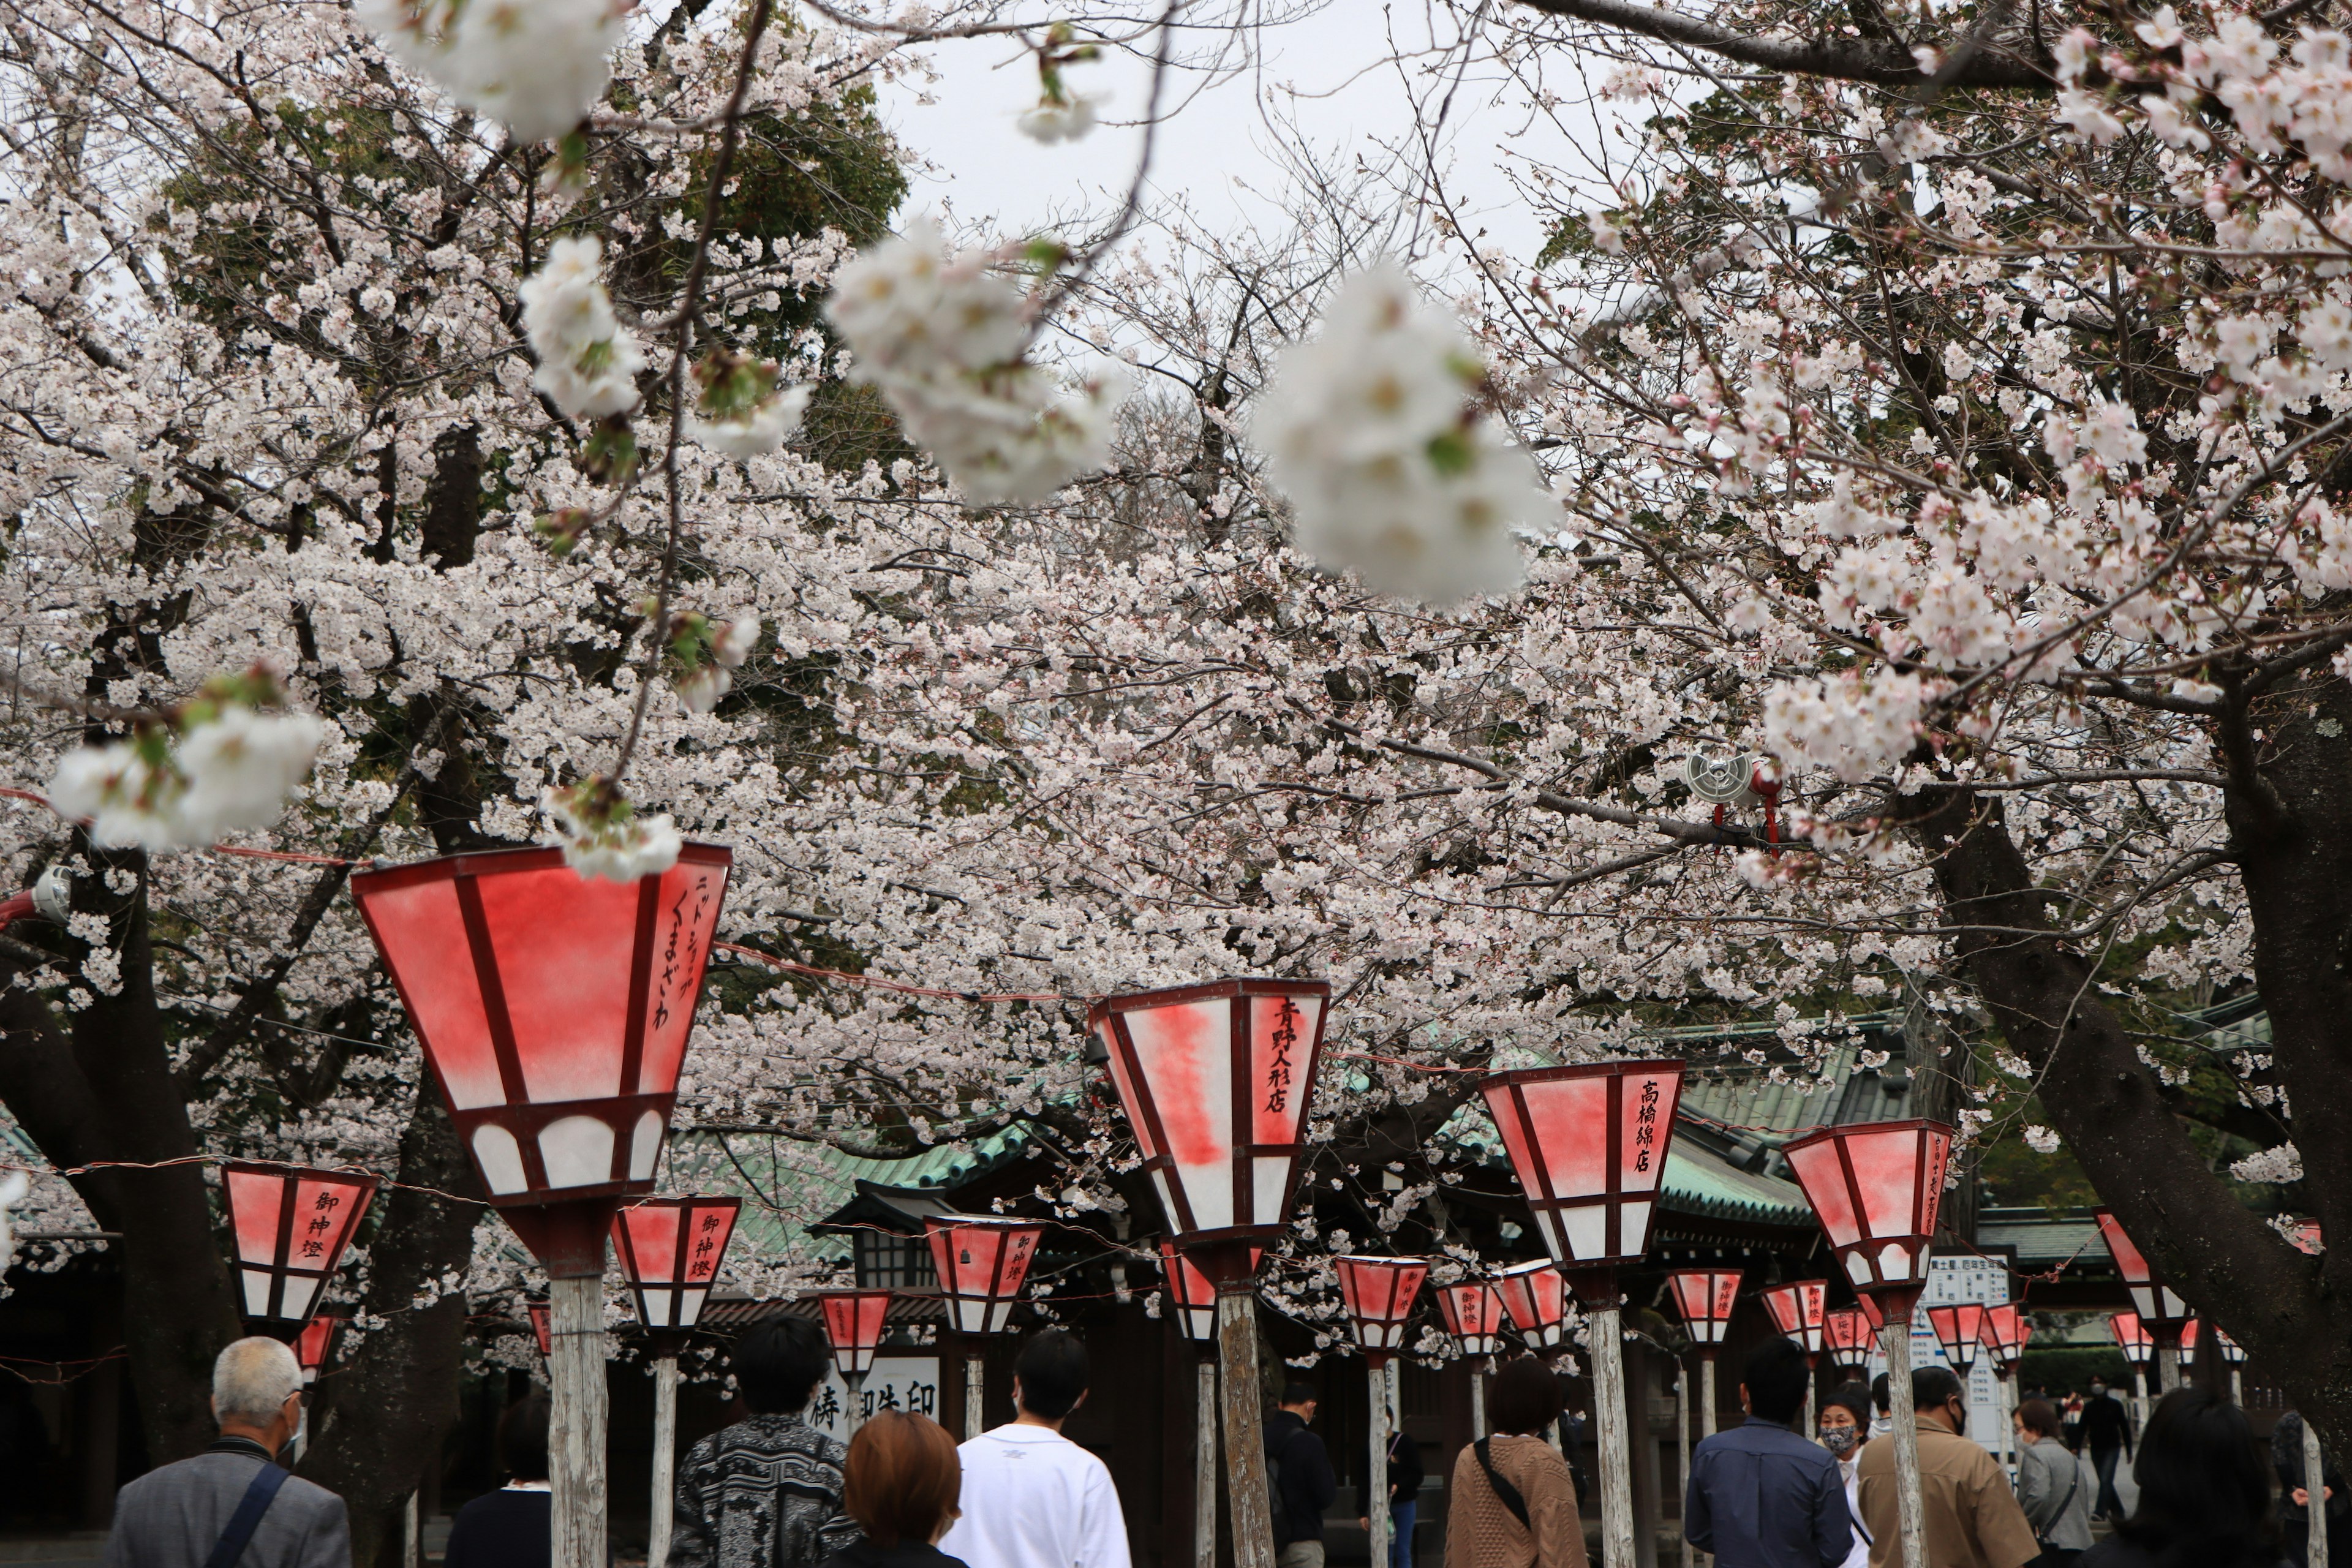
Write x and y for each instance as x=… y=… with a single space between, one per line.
x=1847 y=1332
x=1379 y=1292
x=2158 y=1308
x=1590 y=1143
x=1705 y=1297
x=2139 y=1344
x=982 y=1261
x=2304 y=1237
x=1798 y=1311
x=1535 y=1295
x=1960 y=1329
x=310 y=1346
x=1215 y=1079
x=1192 y=1295
x=291 y=1226
x=670 y=1249
x=1473 y=1315
x=1875 y=1186
x=2006 y=1331
x=554 y=1010
x=854 y=1323
x=538 y=1326
x=2233 y=1352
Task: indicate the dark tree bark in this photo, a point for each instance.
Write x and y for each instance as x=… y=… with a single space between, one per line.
x=1881 y=61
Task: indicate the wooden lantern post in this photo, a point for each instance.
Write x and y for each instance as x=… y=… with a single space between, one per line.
x=671 y=1250
x=1706 y=1298
x=1193 y=1302
x=1472 y=1311
x=2161 y=1312
x=1589 y=1144
x=1215 y=1079
x=982 y=1261
x=554 y=1012
x=2006 y=1329
x=1378 y=1293
x=1875 y=1187
x=1799 y=1310
x=854 y=1325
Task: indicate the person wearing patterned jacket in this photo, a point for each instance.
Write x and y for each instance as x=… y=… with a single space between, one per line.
x=765 y=1492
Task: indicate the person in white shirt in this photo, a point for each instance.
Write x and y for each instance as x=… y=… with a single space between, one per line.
x=1033 y=1499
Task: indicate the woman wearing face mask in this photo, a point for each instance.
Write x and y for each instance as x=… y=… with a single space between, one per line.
x=1846 y=1425
x=2050 y=1487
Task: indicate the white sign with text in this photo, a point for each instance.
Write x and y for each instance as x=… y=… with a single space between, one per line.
x=897 y=1382
x=1950 y=1279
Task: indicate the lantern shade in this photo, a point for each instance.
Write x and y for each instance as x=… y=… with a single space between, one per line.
x=671 y=1250
x=983 y=1262
x=1379 y=1292
x=310 y=1346
x=853 y=1324
x=1875 y=1187
x=1192 y=1295
x=2306 y=1236
x=1535 y=1296
x=554 y=1008
x=1847 y=1332
x=2158 y=1308
x=2233 y=1352
x=2139 y=1344
x=1872 y=1313
x=2006 y=1331
x=1473 y=1314
x=1798 y=1311
x=1215 y=1079
x=1706 y=1298
x=291 y=1226
x=1589 y=1143
x=1960 y=1329
x=538 y=1326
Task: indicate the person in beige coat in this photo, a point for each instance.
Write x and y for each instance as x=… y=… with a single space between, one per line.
x=1513 y=1503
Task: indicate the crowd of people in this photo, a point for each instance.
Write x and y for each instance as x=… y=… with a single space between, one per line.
x=772 y=1491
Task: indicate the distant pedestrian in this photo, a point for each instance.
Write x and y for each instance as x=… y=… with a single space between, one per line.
x=765 y=1492
x=1303 y=1485
x=1512 y=1503
x=1761 y=1496
x=2050 y=1486
x=1844 y=1425
x=1883 y=1403
x=1405 y=1474
x=1971 y=1517
x=901 y=1481
x=1033 y=1499
x=512 y=1526
x=2294 y=1495
x=2204 y=1495
x=2106 y=1432
x=232 y=1503
x=2070 y=1420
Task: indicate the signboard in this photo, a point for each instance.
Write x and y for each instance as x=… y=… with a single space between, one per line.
x=897 y=1382
x=1950 y=1279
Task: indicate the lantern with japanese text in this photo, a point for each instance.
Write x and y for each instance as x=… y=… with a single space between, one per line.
x=1589 y=1143
x=1875 y=1187
x=1798 y=1311
x=1378 y=1293
x=671 y=1250
x=982 y=1261
x=1472 y=1313
x=539 y=1329
x=291 y=1224
x=1847 y=1332
x=1535 y=1296
x=1960 y=1329
x=1706 y=1298
x=854 y=1323
x=311 y=1345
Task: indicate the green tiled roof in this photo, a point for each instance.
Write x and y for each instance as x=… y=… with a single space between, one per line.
x=788 y=1186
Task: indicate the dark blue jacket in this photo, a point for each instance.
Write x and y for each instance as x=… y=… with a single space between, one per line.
x=1763 y=1497
x=1303 y=1485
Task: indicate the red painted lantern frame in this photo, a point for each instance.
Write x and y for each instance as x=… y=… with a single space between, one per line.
x=1535 y=1297
x=1590 y=1143
x=2233 y=1352
x=540 y=1326
x=2137 y=1345
x=1958 y=1327
x=855 y=1322
x=1875 y=1186
x=1473 y=1313
x=2006 y=1331
x=312 y=1344
x=1847 y=1332
x=1379 y=1293
x=1706 y=1299
x=1798 y=1310
x=1194 y=1064
x=290 y=1225
x=2161 y=1310
x=983 y=1262
x=1191 y=1295
x=653 y=1237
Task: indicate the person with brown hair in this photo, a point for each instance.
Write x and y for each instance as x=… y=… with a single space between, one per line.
x=1513 y=1504
x=2050 y=1486
x=901 y=1485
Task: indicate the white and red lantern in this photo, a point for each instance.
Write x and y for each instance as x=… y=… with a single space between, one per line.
x=540 y=1327
x=1960 y=1329
x=671 y=1250
x=2307 y=1237
x=1535 y=1297
x=1379 y=1293
x=291 y=1224
x=1875 y=1187
x=2233 y=1352
x=554 y=1011
x=311 y=1345
x=854 y=1323
x=1798 y=1311
x=2139 y=1345
x=2159 y=1310
x=1706 y=1298
x=1472 y=1311
x=982 y=1261
x=1589 y=1143
x=1847 y=1332
x=1192 y=1295
x=2006 y=1331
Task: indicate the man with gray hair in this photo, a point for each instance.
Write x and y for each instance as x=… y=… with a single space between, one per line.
x=231 y=1506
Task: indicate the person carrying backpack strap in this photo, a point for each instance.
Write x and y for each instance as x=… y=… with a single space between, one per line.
x=1513 y=1503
